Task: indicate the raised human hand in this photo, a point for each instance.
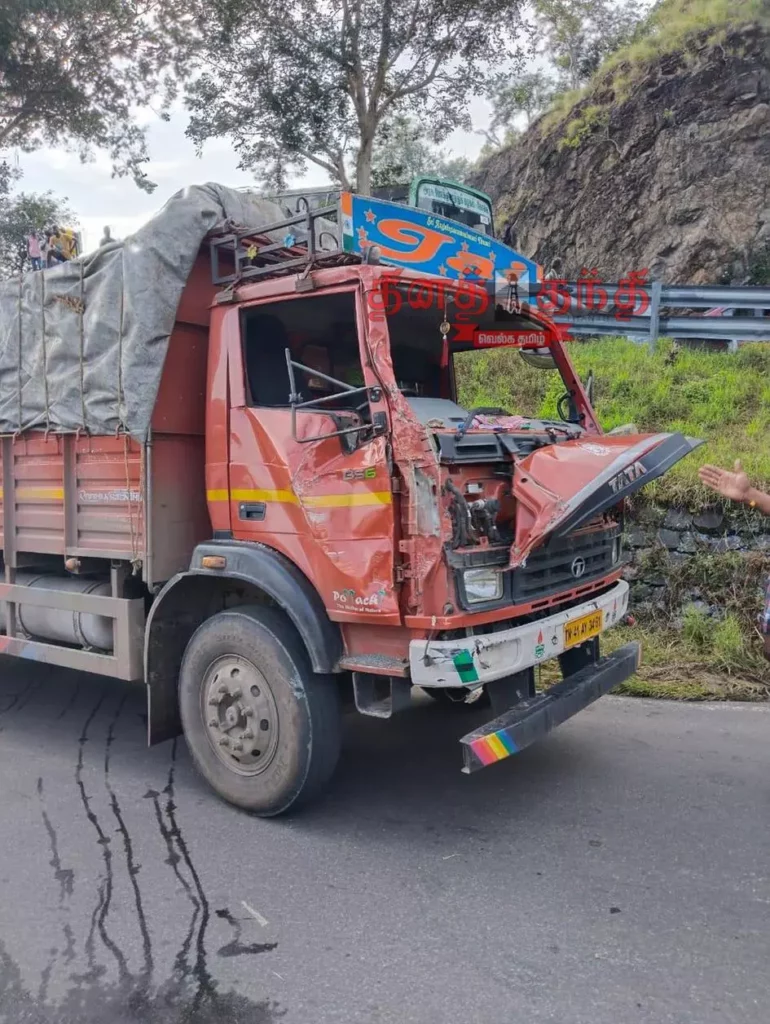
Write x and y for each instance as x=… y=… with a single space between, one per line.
x=733 y=485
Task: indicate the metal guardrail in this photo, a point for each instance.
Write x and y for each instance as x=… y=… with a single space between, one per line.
x=648 y=325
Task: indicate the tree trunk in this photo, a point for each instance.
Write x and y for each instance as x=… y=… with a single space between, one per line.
x=364 y=164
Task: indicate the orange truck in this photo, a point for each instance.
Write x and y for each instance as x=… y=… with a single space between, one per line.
x=306 y=514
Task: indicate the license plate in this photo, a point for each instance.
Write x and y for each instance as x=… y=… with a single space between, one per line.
x=584 y=628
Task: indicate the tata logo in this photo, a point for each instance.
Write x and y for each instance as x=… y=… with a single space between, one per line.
x=578 y=567
x=628 y=476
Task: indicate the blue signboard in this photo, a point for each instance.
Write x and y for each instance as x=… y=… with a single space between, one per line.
x=421 y=241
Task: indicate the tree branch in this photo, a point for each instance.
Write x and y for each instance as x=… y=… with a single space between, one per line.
x=333 y=168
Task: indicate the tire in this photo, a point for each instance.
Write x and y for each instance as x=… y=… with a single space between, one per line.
x=262 y=728
x=454 y=697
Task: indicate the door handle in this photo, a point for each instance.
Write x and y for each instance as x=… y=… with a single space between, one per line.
x=254 y=511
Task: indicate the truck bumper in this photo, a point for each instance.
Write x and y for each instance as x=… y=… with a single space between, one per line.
x=534 y=717
x=482 y=658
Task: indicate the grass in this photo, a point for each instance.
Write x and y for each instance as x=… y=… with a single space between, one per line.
x=709 y=658
x=721 y=398
x=674 y=668
x=673 y=26
x=589 y=119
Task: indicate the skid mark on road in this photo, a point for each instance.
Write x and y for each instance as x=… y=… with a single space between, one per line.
x=131 y=866
x=100 y=993
x=106 y=886
x=70 y=702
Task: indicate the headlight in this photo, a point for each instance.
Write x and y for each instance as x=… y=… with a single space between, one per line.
x=482 y=585
x=616 y=549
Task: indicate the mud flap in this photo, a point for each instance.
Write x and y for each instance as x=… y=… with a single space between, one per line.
x=533 y=718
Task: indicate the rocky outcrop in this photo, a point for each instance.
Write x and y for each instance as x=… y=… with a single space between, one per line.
x=665 y=167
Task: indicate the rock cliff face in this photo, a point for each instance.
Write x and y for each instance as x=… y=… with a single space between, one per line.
x=665 y=168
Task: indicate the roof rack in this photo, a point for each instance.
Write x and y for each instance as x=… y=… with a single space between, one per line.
x=249 y=255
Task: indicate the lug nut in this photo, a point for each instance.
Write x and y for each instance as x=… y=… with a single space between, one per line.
x=224 y=741
x=236 y=692
x=223 y=688
x=237 y=745
x=214 y=722
x=247 y=735
x=248 y=712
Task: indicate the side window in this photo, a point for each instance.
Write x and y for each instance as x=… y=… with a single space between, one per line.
x=264 y=351
x=321 y=335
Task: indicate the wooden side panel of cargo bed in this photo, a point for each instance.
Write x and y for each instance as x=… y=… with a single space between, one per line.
x=109 y=499
x=73 y=496
x=36 y=493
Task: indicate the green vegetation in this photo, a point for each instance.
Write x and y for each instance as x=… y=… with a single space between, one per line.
x=723 y=399
x=589 y=120
x=673 y=26
x=710 y=656
x=679 y=25
x=676 y=669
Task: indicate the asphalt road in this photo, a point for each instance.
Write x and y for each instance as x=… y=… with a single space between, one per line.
x=618 y=872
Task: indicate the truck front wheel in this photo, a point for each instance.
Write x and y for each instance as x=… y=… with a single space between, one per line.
x=262 y=728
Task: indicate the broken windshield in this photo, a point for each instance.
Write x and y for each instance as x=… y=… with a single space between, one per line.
x=443 y=379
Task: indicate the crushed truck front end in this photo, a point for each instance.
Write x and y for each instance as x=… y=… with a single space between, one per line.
x=511 y=534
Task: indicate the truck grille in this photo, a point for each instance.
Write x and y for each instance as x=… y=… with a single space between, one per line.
x=563 y=564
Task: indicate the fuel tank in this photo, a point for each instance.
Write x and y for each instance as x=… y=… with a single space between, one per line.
x=81 y=629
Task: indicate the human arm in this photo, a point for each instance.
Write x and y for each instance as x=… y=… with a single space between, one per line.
x=734 y=485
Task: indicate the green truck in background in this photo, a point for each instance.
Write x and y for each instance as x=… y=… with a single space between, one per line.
x=435 y=195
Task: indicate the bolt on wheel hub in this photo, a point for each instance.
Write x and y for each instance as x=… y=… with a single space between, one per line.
x=240 y=713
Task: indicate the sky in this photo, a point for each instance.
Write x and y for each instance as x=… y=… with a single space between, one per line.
x=98 y=199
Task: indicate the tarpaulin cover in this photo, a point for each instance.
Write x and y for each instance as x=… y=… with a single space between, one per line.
x=82 y=345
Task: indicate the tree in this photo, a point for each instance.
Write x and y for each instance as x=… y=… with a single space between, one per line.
x=404 y=149
x=579 y=34
x=455 y=168
x=316 y=80
x=20 y=214
x=73 y=72
x=515 y=96
x=620 y=25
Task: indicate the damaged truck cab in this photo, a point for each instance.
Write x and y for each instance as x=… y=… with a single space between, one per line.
x=359 y=532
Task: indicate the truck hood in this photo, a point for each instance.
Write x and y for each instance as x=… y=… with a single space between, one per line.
x=561 y=487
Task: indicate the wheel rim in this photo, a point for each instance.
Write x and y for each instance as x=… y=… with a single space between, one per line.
x=240 y=715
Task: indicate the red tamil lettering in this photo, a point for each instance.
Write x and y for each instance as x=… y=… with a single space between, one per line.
x=631 y=296
x=385 y=298
x=590 y=294
x=553 y=296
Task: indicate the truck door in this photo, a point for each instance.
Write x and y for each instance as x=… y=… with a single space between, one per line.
x=307 y=481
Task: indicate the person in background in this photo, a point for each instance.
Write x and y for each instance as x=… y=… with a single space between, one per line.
x=106 y=237
x=736 y=486
x=69 y=243
x=56 y=247
x=34 y=252
x=509 y=234
x=555 y=273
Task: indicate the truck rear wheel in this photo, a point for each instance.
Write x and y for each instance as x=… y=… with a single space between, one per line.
x=262 y=728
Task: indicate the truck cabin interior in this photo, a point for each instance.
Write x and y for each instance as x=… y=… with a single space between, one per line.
x=320 y=333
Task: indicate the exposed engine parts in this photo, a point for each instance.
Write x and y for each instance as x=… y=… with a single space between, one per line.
x=483 y=515
x=471 y=520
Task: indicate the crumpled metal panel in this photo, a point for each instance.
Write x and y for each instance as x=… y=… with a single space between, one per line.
x=423 y=528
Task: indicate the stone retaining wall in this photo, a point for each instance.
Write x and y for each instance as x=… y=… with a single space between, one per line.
x=658 y=540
